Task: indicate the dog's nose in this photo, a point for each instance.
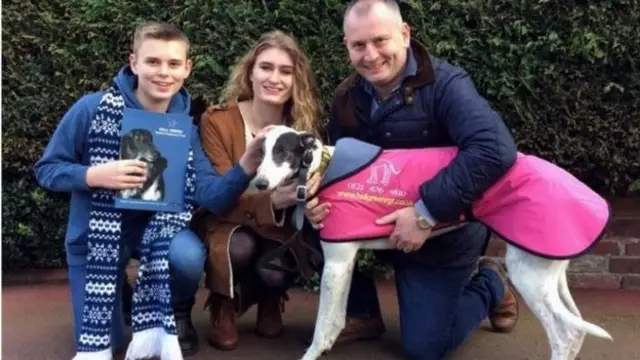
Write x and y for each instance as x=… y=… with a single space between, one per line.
x=262 y=184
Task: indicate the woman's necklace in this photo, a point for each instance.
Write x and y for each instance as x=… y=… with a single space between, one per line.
x=245 y=112
x=248 y=119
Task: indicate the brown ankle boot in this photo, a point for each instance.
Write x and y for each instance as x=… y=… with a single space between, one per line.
x=270 y=309
x=224 y=334
x=357 y=329
x=503 y=316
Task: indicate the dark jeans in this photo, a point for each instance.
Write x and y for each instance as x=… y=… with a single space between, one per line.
x=439 y=305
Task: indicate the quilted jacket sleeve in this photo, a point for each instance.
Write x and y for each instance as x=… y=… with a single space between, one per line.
x=486 y=148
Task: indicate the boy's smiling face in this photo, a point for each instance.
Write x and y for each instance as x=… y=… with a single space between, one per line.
x=162 y=67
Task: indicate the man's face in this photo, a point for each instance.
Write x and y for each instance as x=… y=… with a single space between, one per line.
x=161 y=66
x=377 y=44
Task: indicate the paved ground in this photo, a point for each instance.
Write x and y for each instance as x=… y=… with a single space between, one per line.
x=36 y=324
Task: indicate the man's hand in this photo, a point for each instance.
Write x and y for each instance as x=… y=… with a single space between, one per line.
x=315 y=212
x=406 y=236
x=117 y=175
x=313 y=183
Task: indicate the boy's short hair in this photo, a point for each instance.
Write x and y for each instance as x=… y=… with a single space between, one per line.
x=159 y=31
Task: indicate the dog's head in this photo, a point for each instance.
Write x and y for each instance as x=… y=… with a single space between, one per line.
x=141 y=137
x=284 y=149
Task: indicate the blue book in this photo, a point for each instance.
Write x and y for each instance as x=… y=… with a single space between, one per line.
x=162 y=141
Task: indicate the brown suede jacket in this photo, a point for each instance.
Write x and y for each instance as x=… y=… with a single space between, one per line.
x=223 y=139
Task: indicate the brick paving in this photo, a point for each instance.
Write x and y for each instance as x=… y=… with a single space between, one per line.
x=36 y=324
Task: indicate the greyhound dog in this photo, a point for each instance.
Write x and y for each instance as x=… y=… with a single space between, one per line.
x=546 y=216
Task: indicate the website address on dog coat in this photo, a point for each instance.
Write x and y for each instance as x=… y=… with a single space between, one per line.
x=374 y=198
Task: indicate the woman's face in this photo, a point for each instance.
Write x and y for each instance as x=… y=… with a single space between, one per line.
x=272 y=77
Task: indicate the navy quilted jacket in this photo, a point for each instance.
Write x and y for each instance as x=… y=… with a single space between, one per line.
x=436 y=105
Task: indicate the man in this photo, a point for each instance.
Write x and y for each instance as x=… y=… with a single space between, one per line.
x=153 y=80
x=401 y=97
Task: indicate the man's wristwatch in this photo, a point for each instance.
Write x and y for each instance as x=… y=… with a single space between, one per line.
x=422 y=222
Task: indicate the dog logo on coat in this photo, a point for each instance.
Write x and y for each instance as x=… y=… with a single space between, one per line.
x=381 y=174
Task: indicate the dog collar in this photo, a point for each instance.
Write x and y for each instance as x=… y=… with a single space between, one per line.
x=324 y=160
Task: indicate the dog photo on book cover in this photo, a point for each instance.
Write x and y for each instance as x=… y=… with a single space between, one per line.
x=138 y=144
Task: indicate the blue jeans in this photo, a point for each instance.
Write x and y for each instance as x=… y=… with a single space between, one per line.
x=439 y=306
x=440 y=303
x=186 y=258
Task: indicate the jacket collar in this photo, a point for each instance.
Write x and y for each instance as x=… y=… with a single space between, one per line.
x=347 y=107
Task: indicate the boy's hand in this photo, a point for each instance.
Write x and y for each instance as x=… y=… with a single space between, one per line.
x=251 y=159
x=117 y=175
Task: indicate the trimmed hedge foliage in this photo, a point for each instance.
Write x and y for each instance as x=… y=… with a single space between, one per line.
x=564 y=74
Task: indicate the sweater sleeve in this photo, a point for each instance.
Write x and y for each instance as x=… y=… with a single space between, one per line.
x=61 y=166
x=216 y=192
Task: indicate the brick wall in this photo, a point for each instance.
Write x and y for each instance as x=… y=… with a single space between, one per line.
x=614 y=262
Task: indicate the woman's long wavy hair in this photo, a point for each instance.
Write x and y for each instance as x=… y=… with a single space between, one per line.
x=303 y=111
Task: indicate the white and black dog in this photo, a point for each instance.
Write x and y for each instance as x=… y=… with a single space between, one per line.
x=138 y=144
x=541 y=282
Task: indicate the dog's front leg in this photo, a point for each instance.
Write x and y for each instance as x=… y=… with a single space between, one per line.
x=340 y=259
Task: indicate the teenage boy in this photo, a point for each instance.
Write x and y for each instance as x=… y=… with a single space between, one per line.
x=82 y=158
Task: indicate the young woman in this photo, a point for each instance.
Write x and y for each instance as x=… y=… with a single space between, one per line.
x=272 y=84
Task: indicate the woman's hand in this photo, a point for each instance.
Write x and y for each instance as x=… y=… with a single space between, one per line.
x=284 y=195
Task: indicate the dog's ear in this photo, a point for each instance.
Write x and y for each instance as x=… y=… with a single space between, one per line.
x=307 y=140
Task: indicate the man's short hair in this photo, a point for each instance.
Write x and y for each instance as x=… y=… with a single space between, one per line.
x=362 y=8
x=159 y=31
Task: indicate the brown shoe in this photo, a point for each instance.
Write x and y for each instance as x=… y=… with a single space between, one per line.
x=269 y=321
x=224 y=334
x=504 y=316
x=357 y=329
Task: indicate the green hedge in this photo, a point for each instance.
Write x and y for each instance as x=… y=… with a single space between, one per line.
x=564 y=74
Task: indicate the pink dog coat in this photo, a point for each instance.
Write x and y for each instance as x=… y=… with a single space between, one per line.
x=535 y=206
